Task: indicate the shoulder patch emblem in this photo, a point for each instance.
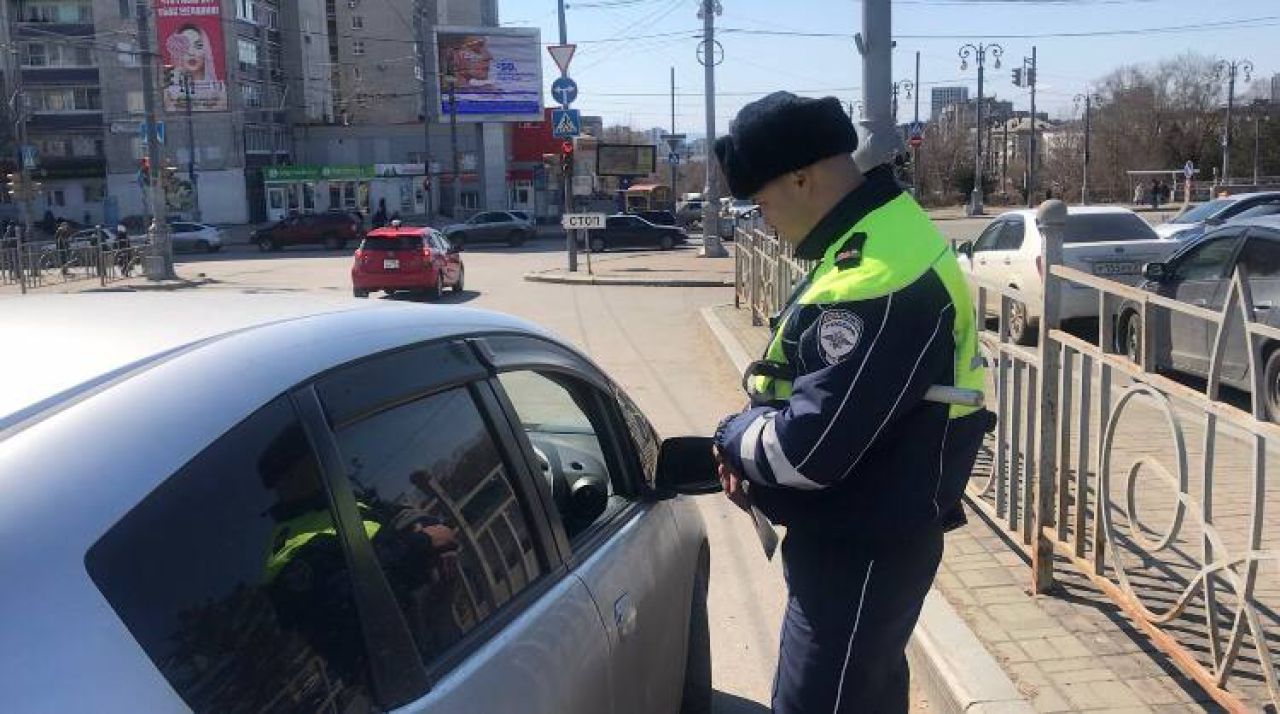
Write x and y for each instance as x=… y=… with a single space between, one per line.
x=839 y=332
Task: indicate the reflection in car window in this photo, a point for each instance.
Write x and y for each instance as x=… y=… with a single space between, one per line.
x=556 y=417
x=1011 y=233
x=232 y=578
x=1269 y=208
x=1106 y=227
x=1203 y=211
x=643 y=436
x=454 y=540
x=1261 y=258
x=1208 y=261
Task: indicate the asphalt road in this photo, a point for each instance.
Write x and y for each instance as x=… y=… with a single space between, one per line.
x=653 y=341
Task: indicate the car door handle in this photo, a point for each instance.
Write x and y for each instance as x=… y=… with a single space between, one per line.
x=1201 y=302
x=1262 y=306
x=624 y=615
x=1008 y=261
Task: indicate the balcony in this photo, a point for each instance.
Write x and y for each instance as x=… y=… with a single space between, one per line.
x=59 y=76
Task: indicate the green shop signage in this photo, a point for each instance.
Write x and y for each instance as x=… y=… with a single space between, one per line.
x=290 y=174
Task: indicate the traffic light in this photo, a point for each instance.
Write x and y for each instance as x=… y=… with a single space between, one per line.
x=566 y=158
x=1031 y=77
x=1017 y=76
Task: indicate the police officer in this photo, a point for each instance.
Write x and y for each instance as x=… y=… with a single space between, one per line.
x=840 y=444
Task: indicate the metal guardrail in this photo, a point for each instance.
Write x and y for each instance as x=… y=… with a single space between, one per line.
x=1154 y=491
x=32 y=266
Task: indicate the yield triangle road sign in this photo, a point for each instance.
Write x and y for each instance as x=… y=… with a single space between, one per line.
x=562 y=54
x=565 y=123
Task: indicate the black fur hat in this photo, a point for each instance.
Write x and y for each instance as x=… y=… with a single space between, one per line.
x=781 y=133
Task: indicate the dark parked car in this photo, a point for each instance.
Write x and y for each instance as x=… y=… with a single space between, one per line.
x=1198 y=220
x=626 y=231
x=334 y=230
x=658 y=218
x=689 y=214
x=492 y=226
x=1200 y=274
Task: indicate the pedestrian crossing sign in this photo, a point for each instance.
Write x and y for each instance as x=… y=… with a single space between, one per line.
x=565 y=123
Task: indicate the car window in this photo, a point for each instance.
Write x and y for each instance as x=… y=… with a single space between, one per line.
x=391 y=243
x=1107 y=227
x=441 y=242
x=492 y=217
x=1199 y=213
x=564 y=428
x=455 y=543
x=1207 y=261
x=1011 y=234
x=1261 y=258
x=231 y=577
x=643 y=436
x=1266 y=208
x=987 y=240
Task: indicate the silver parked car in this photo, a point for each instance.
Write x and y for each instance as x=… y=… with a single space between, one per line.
x=299 y=505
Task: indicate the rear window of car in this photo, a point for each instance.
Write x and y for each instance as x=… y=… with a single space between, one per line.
x=390 y=243
x=1107 y=227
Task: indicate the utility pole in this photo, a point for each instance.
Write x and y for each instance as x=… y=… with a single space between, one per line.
x=1031 y=157
x=1228 y=69
x=18 y=107
x=915 y=123
x=711 y=245
x=191 y=149
x=979 y=53
x=1257 y=145
x=878 y=140
x=453 y=140
x=424 y=18
x=673 y=131
x=1088 y=98
x=159 y=230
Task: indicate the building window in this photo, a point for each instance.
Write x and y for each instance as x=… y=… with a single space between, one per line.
x=273 y=20
x=248 y=53
x=470 y=200
x=136 y=148
x=357 y=48
x=66 y=100
x=36 y=54
x=126 y=9
x=252 y=94
x=357 y=22
x=244 y=10
x=135 y=102
x=127 y=54
x=52 y=148
x=94 y=193
x=57 y=197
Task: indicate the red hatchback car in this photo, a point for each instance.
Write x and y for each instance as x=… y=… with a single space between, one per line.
x=406 y=258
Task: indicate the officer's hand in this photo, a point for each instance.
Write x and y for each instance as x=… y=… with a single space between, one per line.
x=730 y=481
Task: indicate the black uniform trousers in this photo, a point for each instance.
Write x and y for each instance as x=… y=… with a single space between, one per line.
x=851 y=608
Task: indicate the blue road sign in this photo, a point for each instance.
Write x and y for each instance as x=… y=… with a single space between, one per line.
x=29 y=154
x=142 y=132
x=565 y=123
x=673 y=158
x=565 y=91
x=160 y=132
x=916 y=129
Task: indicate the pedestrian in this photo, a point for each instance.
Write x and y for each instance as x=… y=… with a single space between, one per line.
x=124 y=257
x=100 y=249
x=1137 y=195
x=9 y=253
x=62 y=242
x=380 y=215
x=1155 y=194
x=839 y=444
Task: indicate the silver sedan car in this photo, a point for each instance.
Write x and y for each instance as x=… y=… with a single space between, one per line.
x=262 y=503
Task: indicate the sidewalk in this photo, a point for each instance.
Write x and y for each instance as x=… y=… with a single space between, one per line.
x=983 y=644
x=134 y=284
x=681 y=267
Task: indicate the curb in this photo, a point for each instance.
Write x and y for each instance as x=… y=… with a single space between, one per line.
x=158 y=286
x=558 y=278
x=957 y=673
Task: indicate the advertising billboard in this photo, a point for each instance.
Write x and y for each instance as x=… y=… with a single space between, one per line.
x=189 y=35
x=496 y=73
x=625 y=159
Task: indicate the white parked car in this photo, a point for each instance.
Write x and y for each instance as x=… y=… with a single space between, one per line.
x=195 y=237
x=1113 y=243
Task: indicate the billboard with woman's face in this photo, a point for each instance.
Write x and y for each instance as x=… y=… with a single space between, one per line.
x=189 y=35
x=496 y=73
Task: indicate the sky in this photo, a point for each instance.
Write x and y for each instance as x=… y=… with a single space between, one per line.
x=627 y=47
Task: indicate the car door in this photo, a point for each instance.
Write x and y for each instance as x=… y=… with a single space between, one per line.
x=986 y=261
x=182 y=235
x=1259 y=265
x=451 y=259
x=423 y=448
x=1197 y=278
x=624 y=545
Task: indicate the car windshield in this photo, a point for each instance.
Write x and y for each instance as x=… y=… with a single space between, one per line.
x=1195 y=214
x=1106 y=227
x=391 y=243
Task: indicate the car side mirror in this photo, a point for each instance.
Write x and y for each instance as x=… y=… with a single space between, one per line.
x=455 y=248
x=965 y=248
x=1155 y=272
x=686 y=465
x=1213 y=221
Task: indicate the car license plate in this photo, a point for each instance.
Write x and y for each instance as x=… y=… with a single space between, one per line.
x=391 y=264
x=1116 y=268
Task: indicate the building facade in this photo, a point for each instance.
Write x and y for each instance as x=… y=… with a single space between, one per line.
x=942 y=97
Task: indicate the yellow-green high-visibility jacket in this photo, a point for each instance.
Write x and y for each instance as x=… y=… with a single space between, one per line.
x=841 y=438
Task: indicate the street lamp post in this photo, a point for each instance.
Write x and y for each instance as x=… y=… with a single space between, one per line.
x=979 y=53
x=1228 y=70
x=1089 y=99
x=906 y=86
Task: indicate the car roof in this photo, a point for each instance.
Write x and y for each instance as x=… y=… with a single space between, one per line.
x=72 y=344
x=397 y=231
x=1072 y=211
x=1254 y=194
x=1272 y=222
